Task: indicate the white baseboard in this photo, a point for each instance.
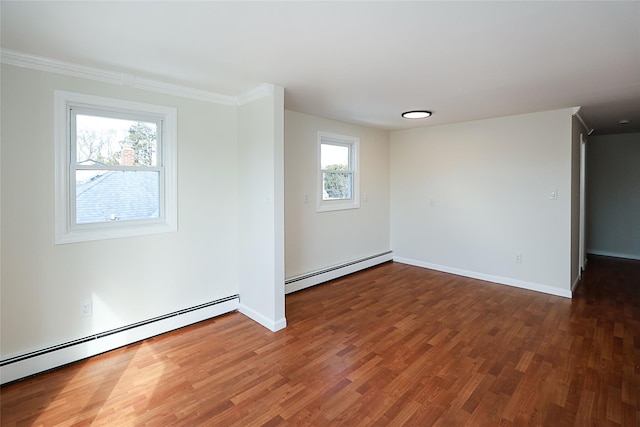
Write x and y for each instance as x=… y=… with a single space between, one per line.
x=320 y=276
x=489 y=278
x=613 y=254
x=35 y=362
x=575 y=284
x=272 y=325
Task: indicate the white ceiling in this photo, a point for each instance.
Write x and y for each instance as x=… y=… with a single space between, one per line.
x=362 y=62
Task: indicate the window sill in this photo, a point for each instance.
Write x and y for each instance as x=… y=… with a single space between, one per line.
x=337 y=205
x=102 y=233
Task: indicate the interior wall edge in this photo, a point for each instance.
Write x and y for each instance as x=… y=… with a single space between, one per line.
x=272 y=325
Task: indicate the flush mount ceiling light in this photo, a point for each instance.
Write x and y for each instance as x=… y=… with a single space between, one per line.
x=624 y=121
x=416 y=114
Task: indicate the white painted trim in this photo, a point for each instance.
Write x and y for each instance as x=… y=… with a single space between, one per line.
x=272 y=325
x=41 y=63
x=575 y=284
x=297 y=283
x=72 y=353
x=254 y=94
x=354 y=152
x=582 y=255
x=182 y=91
x=65 y=231
x=576 y=112
x=489 y=278
x=613 y=254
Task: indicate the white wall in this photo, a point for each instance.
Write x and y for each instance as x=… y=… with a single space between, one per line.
x=613 y=195
x=129 y=279
x=260 y=214
x=467 y=197
x=317 y=240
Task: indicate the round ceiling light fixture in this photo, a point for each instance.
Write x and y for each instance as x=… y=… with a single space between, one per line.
x=624 y=121
x=416 y=114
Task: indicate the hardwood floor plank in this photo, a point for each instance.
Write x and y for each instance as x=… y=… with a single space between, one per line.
x=392 y=345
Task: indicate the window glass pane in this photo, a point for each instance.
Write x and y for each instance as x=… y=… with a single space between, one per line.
x=334 y=157
x=103 y=196
x=109 y=141
x=337 y=186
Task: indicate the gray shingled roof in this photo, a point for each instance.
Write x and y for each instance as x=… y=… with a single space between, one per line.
x=124 y=194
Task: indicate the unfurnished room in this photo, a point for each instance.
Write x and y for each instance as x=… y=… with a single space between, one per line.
x=385 y=213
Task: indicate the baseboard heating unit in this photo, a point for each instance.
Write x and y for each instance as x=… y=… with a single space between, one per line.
x=324 y=275
x=28 y=364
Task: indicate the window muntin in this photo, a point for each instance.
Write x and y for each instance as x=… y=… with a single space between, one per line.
x=338 y=172
x=115 y=168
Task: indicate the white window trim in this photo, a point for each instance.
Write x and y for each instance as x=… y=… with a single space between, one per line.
x=65 y=231
x=335 y=205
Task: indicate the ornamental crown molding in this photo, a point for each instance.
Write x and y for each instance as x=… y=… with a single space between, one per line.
x=41 y=63
x=577 y=113
x=261 y=91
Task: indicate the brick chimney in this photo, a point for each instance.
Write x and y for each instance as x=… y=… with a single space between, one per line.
x=127 y=156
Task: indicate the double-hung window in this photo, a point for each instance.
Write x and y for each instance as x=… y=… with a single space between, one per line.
x=338 y=178
x=115 y=168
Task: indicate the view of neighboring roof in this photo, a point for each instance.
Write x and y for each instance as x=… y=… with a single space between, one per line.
x=118 y=195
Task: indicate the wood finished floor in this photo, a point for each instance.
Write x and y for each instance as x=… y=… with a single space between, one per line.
x=393 y=345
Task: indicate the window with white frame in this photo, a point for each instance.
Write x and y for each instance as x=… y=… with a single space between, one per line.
x=115 y=168
x=338 y=177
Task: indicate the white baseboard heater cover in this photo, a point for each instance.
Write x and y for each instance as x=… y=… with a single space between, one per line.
x=324 y=275
x=28 y=364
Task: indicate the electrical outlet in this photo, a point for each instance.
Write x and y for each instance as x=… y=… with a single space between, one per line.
x=518 y=258
x=86 y=308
